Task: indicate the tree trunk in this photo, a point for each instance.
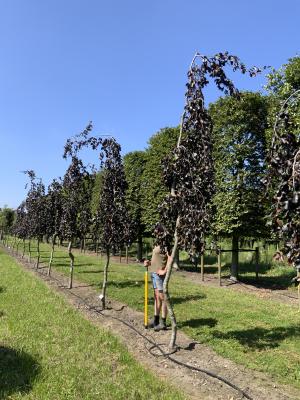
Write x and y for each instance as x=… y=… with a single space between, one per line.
x=139 y=255
x=14 y=242
x=29 y=250
x=127 y=255
x=24 y=246
x=18 y=242
x=235 y=258
x=71 y=264
x=51 y=254
x=38 y=253
x=176 y=261
x=166 y=289
x=105 y=274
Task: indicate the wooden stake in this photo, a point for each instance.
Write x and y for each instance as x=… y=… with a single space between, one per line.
x=146 y=300
x=219 y=267
x=256 y=262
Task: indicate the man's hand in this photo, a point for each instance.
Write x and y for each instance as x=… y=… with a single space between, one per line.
x=147 y=263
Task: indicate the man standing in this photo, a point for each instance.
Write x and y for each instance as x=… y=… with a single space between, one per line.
x=158 y=268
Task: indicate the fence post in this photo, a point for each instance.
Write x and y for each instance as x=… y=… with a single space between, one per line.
x=202 y=266
x=256 y=262
x=127 y=254
x=219 y=266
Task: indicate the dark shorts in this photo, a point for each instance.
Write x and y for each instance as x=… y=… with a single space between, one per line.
x=157 y=281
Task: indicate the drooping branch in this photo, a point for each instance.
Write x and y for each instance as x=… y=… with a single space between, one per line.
x=283 y=180
x=188 y=171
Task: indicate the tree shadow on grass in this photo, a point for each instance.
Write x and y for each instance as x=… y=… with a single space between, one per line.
x=198 y=322
x=87 y=285
x=126 y=284
x=18 y=371
x=281 y=282
x=188 y=297
x=67 y=265
x=261 y=338
x=2 y=289
x=95 y=271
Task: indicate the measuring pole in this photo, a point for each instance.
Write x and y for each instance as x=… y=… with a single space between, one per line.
x=146 y=300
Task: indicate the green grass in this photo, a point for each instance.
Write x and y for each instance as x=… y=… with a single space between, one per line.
x=272 y=274
x=49 y=351
x=260 y=334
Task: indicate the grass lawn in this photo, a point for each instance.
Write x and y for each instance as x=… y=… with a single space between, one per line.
x=48 y=351
x=272 y=274
x=260 y=334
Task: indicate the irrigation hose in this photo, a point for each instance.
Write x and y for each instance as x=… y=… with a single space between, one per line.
x=152 y=342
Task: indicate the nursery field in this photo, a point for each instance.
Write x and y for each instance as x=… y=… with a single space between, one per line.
x=258 y=333
x=48 y=351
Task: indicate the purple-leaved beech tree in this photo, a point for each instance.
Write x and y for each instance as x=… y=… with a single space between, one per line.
x=188 y=171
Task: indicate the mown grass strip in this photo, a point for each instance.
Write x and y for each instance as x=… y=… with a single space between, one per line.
x=260 y=334
x=49 y=351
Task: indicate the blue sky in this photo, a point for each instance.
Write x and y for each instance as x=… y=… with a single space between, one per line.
x=121 y=64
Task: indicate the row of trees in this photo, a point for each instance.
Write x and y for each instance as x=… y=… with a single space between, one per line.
x=63 y=211
x=242 y=133
x=213 y=168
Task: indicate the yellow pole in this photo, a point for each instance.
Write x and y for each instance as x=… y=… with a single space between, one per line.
x=146 y=300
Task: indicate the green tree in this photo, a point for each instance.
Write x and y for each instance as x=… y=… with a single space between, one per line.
x=134 y=165
x=239 y=151
x=153 y=189
x=7 y=216
x=280 y=86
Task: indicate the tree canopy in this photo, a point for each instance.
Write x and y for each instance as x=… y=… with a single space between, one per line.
x=239 y=158
x=153 y=189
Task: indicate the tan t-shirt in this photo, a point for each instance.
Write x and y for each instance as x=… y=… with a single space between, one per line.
x=158 y=260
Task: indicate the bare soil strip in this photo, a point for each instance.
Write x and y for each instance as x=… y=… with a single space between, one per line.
x=196 y=385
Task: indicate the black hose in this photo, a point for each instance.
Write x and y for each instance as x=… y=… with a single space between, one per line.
x=152 y=342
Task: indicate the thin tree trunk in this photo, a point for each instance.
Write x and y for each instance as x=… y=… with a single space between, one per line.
x=29 y=250
x=127 y=255
x=38 y=253
x=166 y=288
x=51 y=254
x=139 y=255
x=71 y=264
x=14 y=243
x=18 y=242
x=176 y=261
x=84 y=244
x=24 y=246
x=105 y=275
x=235 y=258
